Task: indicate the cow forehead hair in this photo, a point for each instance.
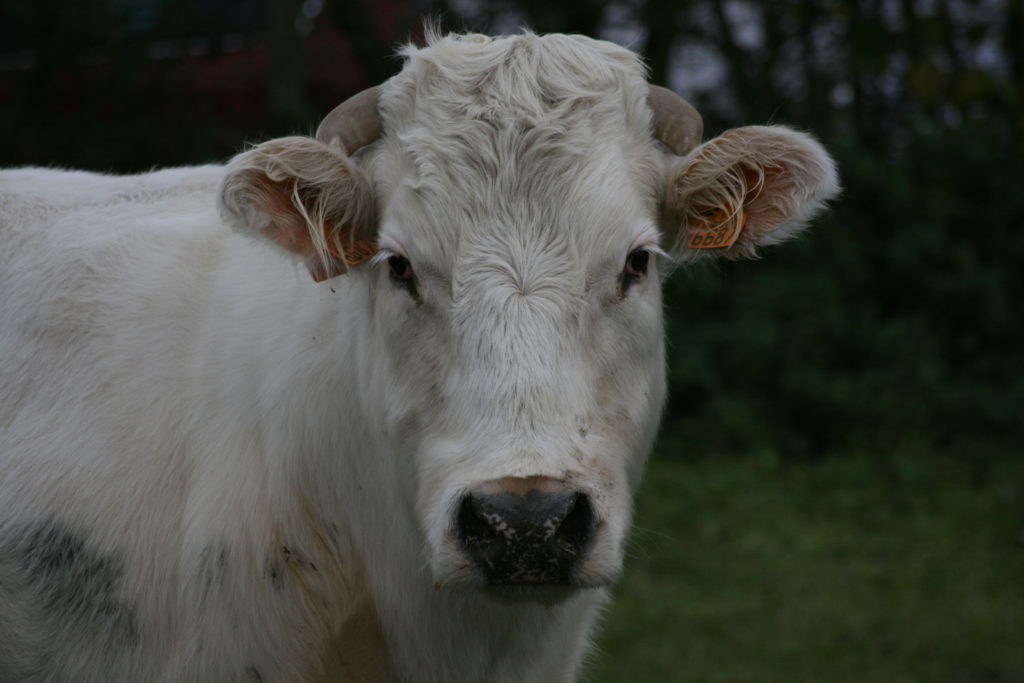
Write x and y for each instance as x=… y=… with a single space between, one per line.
x=478 y=129
x=525 y=76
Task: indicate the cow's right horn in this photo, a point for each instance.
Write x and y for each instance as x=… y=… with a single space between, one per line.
x=354 y=123
x=676 y=123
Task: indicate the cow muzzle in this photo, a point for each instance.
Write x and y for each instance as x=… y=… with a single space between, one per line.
x=531 y=531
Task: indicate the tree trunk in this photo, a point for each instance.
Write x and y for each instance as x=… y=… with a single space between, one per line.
x=286 y=92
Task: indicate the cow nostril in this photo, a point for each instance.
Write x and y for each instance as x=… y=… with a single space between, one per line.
x=473 y=525
x=525 y=537
x=576 y=532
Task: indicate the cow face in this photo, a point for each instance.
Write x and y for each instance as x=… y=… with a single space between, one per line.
x=524 y=332
x=521 y=215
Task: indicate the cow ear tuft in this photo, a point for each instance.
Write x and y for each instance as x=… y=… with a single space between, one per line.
x=750 y=187
x=305 y=197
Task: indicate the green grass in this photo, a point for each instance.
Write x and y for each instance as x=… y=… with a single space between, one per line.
x=906 y=568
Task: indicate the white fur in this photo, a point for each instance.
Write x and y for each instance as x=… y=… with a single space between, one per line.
x=244 y=475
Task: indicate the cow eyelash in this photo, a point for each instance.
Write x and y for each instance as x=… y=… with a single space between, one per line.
x=634 y=270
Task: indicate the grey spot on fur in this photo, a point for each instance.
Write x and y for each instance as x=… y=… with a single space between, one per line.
x=331 y=532
x=254 y=674
x=274 y=574
x=210 y=569
x=296 y=559
x=66 y=594
x=75 y=582
x=287 y=559
x=583 y=425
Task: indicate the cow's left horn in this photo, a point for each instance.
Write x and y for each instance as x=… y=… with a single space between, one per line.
x=354 y=123
x=676 y=123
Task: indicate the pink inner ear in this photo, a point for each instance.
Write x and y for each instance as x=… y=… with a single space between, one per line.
x=764 y=184
x=285 y=226
x=733 y=208
x=774 y=176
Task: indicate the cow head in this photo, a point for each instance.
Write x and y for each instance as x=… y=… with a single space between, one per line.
x=522 y=196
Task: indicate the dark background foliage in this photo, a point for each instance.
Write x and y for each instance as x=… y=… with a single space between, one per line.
x=882 y=352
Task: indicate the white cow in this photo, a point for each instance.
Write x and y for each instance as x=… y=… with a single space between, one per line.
x=416 y=466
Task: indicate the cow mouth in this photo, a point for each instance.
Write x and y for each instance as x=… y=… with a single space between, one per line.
x=542 y=590
x=543 y=593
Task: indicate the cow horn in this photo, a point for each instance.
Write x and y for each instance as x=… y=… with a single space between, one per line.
x=674 y=120
x=354 y=123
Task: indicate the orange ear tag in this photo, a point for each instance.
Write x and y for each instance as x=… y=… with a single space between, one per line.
x=354 y=251
x=723 y=233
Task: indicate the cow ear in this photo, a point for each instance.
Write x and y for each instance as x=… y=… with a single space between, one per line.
x=751 y=186
x=305 y=197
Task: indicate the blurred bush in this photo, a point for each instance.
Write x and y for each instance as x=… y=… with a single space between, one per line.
x=896 y=323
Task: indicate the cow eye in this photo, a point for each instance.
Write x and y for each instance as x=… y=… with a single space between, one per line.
x=402 y=275
x=635 y=269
